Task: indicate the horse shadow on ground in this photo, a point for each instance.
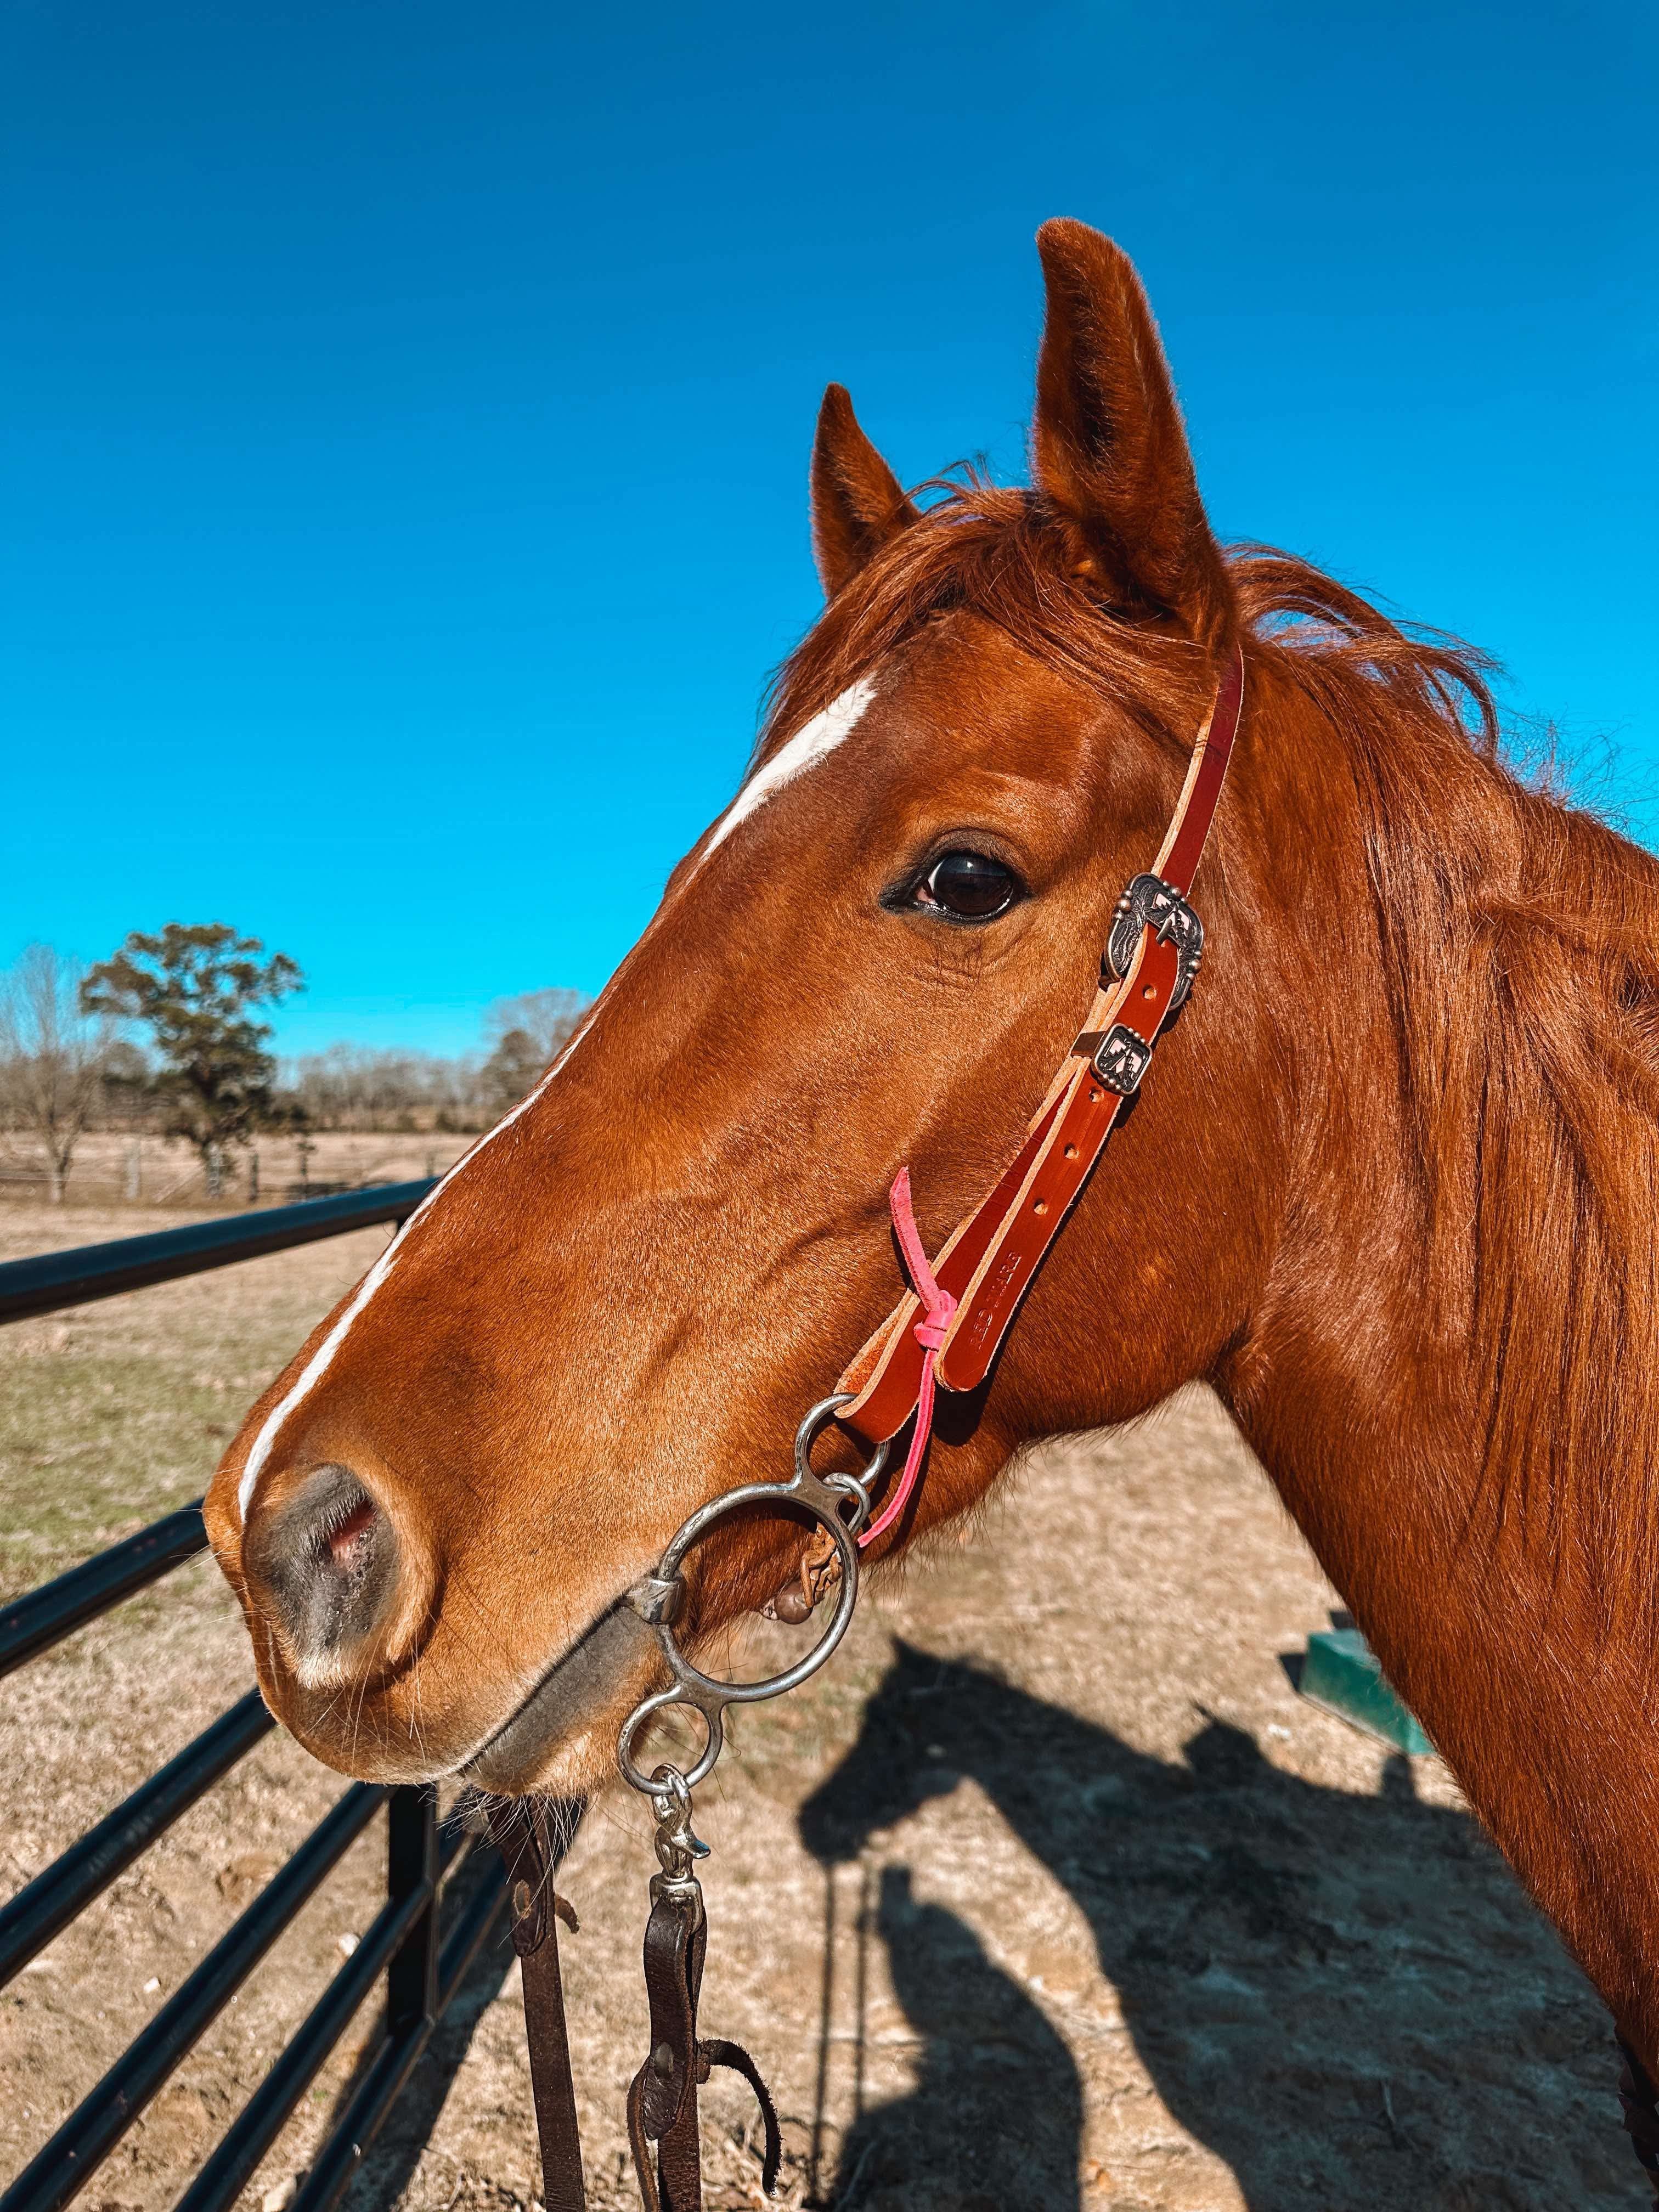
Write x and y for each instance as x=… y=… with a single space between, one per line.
x=1348 y=1999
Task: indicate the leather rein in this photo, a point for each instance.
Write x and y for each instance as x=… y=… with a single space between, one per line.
x=944 y=1334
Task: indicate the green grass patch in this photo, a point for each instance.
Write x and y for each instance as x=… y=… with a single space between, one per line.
x=115 y=1413
x=94 y=1446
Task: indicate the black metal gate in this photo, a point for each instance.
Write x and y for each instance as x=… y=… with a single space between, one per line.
x=402 y=1942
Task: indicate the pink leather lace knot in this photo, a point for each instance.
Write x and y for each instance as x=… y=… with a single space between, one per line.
x=938 y=1309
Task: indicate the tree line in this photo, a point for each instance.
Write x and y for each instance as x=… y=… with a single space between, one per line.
x=167 y=1037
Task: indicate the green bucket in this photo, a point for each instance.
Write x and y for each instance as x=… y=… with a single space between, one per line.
x=1341 y=1673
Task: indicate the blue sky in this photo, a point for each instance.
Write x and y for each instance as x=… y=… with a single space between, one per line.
x=405 y=410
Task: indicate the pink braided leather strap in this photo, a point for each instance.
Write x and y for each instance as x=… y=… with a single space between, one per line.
x=938 y=1309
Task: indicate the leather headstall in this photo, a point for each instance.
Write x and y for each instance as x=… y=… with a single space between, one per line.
x=1151 y=958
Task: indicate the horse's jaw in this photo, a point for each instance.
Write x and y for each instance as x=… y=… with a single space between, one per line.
x=561 y=1738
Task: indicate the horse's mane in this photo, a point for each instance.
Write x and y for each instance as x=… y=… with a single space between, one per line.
x=1520 y=942
x=1518 y=938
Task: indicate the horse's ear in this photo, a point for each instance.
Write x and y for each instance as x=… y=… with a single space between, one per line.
x=1108 y=445
x=858 y=503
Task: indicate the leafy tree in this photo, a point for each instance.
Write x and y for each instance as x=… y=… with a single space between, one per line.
x=194 y=989
x=126 y=1085
x=54 y=1057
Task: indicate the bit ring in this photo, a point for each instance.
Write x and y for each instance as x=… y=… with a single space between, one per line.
x=825 y=1498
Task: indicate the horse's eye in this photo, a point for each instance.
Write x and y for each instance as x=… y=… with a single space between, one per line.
x=968 y=886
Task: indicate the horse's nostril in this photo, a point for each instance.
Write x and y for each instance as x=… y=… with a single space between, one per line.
x=327 y=1558
x=352 y=1544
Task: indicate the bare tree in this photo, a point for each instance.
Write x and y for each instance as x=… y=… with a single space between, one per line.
x=54 y=1056
x=525 y=1033
x=549 y=1018
x=352 y=1086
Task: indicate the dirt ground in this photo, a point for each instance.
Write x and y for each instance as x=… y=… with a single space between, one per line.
x=1049 y=1892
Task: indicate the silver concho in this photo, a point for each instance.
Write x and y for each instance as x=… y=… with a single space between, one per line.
x=1122 y=1059
x=1150 y=903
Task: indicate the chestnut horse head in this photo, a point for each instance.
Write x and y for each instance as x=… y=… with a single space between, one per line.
x=1388 y=1189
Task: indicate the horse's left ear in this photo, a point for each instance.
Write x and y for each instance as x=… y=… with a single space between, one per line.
x=1107 y=444
x=858 y=503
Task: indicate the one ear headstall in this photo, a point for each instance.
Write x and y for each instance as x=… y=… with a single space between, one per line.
x=984 y=1267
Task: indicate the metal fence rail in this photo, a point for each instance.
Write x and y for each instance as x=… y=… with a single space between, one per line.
x=402 y=1942
x=47 y=1905
x=56 y=1279
x=35 y=1622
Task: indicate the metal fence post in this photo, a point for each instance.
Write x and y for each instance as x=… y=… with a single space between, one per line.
x=411 y=1979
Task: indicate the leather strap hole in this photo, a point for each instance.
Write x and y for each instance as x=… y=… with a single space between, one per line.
x=1041 y=1206
x=1149 y=990
x=1071 y=1152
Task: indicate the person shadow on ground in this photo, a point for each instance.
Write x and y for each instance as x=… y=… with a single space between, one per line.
x=1346 y=1998
x=985 y=2046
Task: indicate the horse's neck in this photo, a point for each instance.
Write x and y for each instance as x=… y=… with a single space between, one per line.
x=1547 y=1724
x=1430 y=1412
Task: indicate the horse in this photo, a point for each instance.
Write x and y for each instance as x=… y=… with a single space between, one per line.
x=1389 y=1189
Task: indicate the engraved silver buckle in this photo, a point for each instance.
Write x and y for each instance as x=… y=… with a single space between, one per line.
x=1150 y=903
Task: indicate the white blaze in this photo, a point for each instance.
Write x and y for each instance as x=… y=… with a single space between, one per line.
x=810 y=743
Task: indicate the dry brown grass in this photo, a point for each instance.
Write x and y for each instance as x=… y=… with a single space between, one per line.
x=1049 y=1893
x=170 y=1173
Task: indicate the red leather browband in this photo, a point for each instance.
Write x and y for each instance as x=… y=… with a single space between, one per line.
x=988 y=1262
